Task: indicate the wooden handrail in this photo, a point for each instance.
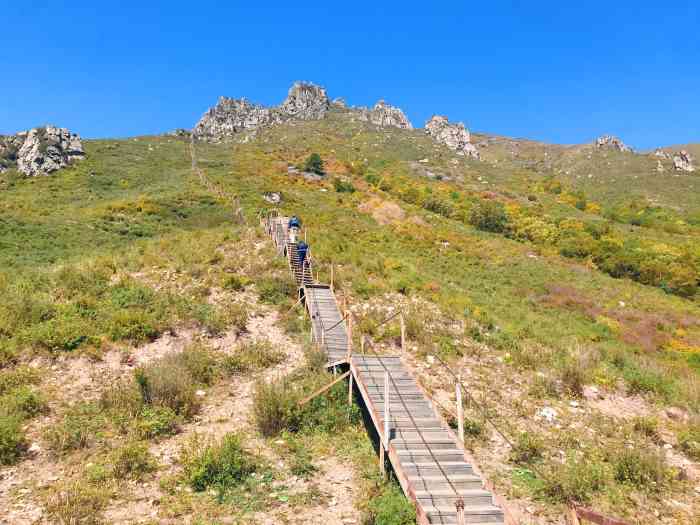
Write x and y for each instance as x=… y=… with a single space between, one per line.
x=323 y=389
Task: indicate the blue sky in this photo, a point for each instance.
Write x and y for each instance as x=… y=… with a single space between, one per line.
x=540 y=70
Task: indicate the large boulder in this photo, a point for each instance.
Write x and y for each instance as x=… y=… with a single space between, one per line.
x=40 y=151
x=305 y=101
x=609 y=141
x=385 y=116
x=454 y=136
x=682 y=161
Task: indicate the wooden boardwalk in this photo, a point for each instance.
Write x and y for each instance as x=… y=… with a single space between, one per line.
x=429 y=461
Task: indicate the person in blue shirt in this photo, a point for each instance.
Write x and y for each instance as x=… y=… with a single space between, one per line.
x=294 y=225
x=302 y=249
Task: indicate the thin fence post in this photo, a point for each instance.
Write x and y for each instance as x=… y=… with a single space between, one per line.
x=349 y=334
x=350 y=390
x=460 y=409
x=385 y=440
x=362 y=343
x=403 y=333
x=459 y=505
x=331 y=277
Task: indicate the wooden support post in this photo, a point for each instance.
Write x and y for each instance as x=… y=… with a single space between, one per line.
x=331 y=277
x=403 y=333
x=322 y=389
x=349 y=334
x=387 y=401
x=362 y=343
x=350 y=391
x=305 y=230
x=460 y=409
x=459 y=505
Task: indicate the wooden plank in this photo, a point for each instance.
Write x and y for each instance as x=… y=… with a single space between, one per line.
x=322 y=390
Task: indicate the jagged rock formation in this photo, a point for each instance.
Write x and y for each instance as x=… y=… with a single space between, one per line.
x=40 y=151
x=661 y=154
x=682 y=161
x=454 y=136
x=305 y=101
x=384 y=115
x=231 y=116
x=609 y=141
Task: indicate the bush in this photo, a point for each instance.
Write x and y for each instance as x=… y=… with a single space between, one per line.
x=216 y=319
x=252 y=356
x=527 y=449
x=234 y=282
x=77 y=502
x=132 y=460
x=16 y=377
x=314 y=164
x=275 y=407
x=390 y=507
x=78 y=427
x=23 y=402
x=642 y=469
x=157 y=421
x=576 y=480
x=489 y=216
x=689 y=440
x=342 y=186
x=168 y=383
x=200 y=362
x=12 y=439
x=473 y=428
x=222 y=466
x=275 y=290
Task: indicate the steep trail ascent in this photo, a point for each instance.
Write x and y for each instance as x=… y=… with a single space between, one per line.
x=429 y=461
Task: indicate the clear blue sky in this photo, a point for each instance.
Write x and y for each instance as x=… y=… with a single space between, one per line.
x=534 y=69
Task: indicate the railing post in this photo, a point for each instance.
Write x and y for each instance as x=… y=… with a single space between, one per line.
x=350 y=390
x=403 y=333
x=385 y=438
x=459 y=505
x=460 y=409
x=362 y=343
x=331 y=277
x=349 y=334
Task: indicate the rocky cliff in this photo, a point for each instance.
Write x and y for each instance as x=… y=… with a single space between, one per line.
x=682 y=161
x=454 y=136
x=305 y=101
x=609 y=141
x=384 y=115
x=40 y=151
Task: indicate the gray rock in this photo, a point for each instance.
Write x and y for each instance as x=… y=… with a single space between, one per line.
x=661 y=154
x=454 y=136
x=273 y=197
x=385 y=116
x=40 y=151
x=682 y=161
x=231 y=116
x=305 y=101
x=609 y=141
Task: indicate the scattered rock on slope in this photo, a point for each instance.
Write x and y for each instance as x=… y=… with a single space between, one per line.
x=682 y=161
x=454 y=136
x=40 y=151
x=384 y=115
x=609 y=141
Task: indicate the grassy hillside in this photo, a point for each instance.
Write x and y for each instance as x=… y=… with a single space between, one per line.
x=521 y=270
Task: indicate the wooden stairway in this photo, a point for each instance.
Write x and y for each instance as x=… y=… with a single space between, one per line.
x=428 y=459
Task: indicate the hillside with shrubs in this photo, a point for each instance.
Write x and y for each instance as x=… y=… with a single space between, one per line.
x=152 y=360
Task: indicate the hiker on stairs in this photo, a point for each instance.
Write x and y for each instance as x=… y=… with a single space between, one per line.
x=302 y=249
x=294 y=226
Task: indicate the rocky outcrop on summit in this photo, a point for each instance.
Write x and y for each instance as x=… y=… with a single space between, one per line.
x=609 y=141
x=454 y=136
x=305 y=101
x=682 y=161
x=41 y=151
x=231 y=116
x=385 y=116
